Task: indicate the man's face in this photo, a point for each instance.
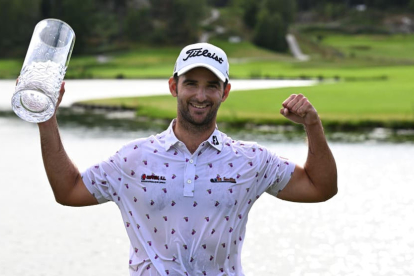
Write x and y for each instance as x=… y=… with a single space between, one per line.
x=199 y=94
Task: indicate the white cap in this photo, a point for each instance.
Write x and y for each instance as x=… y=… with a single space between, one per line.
x=203 y=55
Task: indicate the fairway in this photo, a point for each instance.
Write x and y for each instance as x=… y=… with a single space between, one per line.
x=359 y=103
x=392 y=47
x=371 y=84
x=334 y=102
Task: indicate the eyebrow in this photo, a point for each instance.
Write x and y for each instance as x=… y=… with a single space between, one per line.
x=214 y=82
x=189 y=81
x=195 y=81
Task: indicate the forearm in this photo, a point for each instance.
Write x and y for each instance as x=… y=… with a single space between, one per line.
x=320 y=165
x=61 y=172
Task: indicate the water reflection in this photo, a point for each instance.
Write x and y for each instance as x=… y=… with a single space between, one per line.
x=126 y=120
x=365 y=230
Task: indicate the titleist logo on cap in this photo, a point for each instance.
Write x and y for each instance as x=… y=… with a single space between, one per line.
x=200 y=52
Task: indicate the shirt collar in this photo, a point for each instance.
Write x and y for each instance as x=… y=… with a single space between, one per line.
x=170 y=138
x=215 y=139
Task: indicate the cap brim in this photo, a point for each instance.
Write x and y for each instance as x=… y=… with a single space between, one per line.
x=209 y=67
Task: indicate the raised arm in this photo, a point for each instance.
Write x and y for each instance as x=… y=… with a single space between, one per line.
x=63 y=175
x=317 y=180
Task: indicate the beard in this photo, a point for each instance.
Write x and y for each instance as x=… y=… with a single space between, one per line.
x=190 y=121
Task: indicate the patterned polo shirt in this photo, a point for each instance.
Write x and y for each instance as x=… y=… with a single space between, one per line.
x=186 y=214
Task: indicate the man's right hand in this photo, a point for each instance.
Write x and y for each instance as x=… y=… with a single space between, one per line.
x=61 y=93
x=63 y=175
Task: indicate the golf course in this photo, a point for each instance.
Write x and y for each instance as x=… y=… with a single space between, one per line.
x=369 y=85
x=364 y=80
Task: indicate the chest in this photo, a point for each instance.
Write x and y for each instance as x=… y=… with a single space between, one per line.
x=207 y=179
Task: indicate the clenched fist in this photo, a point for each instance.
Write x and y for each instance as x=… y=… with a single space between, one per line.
x=298 y=109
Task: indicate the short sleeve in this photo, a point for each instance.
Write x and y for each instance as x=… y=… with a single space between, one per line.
x=102 y=179
x=281 y=170
x=270 y=171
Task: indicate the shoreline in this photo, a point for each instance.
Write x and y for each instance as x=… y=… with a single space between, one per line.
x=78 y=90
x=329 y=125
x=125 y=119
x=118 y=118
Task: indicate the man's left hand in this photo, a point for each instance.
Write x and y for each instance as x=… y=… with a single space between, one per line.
x=298 y=109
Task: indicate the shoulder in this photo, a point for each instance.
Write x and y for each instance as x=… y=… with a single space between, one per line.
x=141 y=144
x=249 y=149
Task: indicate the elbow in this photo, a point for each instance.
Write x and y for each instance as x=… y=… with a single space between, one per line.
x=331 y=189
x=63 y=201
x=330 y=193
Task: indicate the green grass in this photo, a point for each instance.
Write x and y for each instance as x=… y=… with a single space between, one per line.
x=10 y=68
x=334 y=102
x=392 y=47
x=146 y=62
x=249 y=61
x=371 y=91
x=372 y=102
x=376 y=79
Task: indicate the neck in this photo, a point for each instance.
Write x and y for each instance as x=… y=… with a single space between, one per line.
x=192 y=135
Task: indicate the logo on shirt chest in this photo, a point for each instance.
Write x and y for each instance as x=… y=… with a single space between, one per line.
x=219 y=179
x=153 y=178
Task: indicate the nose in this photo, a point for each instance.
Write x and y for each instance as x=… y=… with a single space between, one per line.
x=201 y=94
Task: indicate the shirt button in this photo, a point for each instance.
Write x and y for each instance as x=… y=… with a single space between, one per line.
x=189 y=181
x=191 y=161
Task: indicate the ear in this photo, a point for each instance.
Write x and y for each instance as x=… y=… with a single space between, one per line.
x=173 y=86
x=226 y=92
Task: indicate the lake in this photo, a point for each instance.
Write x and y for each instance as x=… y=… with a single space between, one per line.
x=367 y=229
x=78 y=90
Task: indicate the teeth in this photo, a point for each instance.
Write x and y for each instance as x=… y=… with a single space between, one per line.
x=199 y=106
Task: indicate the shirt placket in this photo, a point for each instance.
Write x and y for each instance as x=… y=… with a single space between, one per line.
x=189 y=175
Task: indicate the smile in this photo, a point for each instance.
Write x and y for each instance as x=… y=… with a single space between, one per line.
x=198 y=106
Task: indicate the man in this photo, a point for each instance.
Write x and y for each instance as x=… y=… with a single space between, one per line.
x=185 y=194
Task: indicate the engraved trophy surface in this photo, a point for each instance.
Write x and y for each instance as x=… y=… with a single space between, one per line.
x=47 y=58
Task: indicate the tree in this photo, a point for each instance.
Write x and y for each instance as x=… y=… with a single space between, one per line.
x=411 y=5
x=79 y=15
x=250 y=12
x=270 y=32
x=380 y=4
x=139 y=24
x=272 y=24
x=286 y=9
x=19 y=19
x=183 y=23
x=305 y=5
x=120 y=7
x=219 y=3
